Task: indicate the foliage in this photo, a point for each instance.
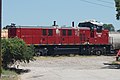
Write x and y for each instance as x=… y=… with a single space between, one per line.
x=118 y=30
x=109 y=27
x=117 y=5
x=8 y=72
x=14 y=49
x=9 y=75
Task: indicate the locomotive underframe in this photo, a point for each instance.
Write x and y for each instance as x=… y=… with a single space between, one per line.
x=52 y=50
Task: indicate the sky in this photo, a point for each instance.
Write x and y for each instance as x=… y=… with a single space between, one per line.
x=44 y=12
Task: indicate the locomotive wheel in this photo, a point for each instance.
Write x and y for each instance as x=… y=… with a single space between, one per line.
x=98 y=52
x=39 y=54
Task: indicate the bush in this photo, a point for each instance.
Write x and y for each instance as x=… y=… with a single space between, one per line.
x=14 y=49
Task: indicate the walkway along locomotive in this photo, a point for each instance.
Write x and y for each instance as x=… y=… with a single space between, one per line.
x=88 y=37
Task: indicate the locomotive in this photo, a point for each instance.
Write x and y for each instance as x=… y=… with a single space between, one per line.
x=87 y=38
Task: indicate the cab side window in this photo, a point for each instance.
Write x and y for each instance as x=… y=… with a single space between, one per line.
x=50 y=32
x=63 y=32
x=99 y=29
x=44 y=32
x=69 y=32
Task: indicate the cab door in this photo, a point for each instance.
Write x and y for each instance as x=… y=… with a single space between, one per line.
x=64 y=37
x=51 y=36
x=44 y=39
x=71 y=33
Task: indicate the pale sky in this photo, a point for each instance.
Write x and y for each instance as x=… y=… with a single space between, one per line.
x=44 y=12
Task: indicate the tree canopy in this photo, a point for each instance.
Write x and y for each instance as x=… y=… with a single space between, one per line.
x=118 y=30
x=117 y=5
x=14 y=49
x=109 y=27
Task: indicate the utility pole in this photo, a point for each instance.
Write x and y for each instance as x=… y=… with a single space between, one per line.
x=0 y=37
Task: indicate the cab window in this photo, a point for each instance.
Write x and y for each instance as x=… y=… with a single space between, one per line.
x=44 y=32
x=99 y=29
x=69 y=32
x=63 y=32
x=50 y=32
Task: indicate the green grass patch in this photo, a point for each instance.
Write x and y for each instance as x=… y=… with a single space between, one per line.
x=116 y=62
x=9 y=75
x=8 y=72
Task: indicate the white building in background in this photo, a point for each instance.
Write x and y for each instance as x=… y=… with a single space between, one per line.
x=4 y=33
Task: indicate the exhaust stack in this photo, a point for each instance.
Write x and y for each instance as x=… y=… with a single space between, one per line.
x=54 y=23
x=73 y=25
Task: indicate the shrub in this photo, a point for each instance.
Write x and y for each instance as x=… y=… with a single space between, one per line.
x=15 y=49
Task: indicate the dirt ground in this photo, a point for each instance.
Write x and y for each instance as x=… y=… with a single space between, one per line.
x=71 y=68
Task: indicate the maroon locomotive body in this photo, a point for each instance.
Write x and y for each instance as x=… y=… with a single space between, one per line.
x=86 y=38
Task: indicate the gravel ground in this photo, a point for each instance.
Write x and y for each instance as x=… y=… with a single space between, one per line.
x=69 y=68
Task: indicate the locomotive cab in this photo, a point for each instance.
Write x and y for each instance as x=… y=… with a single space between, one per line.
x=92 y=24
x=94 y=28
x=99 y=29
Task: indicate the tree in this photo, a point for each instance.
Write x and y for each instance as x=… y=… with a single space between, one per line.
x=14 y=49
x=117 y=5
x=118 y=30
x=109 y=27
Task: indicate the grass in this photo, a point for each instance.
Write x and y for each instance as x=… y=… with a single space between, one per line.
x=9 y=75
x=60 y=57
x=114 y=62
